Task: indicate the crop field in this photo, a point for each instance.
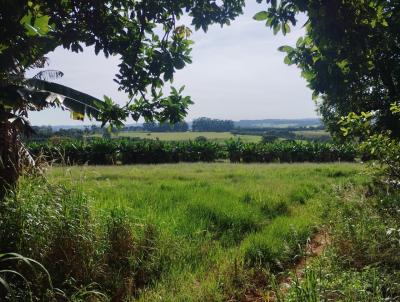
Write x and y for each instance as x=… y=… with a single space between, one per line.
x=313 y=134
x=183 y=136
x=212 y=225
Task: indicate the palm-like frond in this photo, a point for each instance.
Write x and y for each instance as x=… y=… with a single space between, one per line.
x=44 y=93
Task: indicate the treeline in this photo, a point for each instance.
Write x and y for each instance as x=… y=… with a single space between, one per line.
x=205 y=124
x=166 y=127
x=46 y=132
x=128 y=151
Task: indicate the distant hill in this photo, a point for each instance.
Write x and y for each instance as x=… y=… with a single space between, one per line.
x=279 y=123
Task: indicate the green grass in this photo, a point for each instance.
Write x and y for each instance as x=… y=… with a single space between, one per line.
x=313 y=134
x=213 y=220
x=182 y=136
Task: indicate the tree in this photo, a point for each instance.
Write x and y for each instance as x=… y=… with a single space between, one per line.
x=350 y=55
x=207 y=124
x=166 y=127
x=145 y=34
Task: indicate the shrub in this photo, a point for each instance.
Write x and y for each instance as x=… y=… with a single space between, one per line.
x=108 y=152
x=289 y=151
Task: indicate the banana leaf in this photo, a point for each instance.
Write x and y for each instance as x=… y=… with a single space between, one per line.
x=79 y=103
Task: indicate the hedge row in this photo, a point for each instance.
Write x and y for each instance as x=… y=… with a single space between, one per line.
x=105 y=152
x=290 y=151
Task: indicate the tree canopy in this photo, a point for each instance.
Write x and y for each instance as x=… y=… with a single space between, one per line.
x=208 y=124
x=146 y=35
x=350 y=55
x=166 y=127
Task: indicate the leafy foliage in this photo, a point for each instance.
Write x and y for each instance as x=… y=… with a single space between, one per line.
x=144 y=34
x=380 y=146
x=349 y=55
x=106 y=152
x=290 y=152
x=154 y=127
x=207 y=124
x=130 y=29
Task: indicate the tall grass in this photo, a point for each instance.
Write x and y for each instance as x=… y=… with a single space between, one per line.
x=185 y=232
x=362 y=263
x=85 y=258
x=212 y=216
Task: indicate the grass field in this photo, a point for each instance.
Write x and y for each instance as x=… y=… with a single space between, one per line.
x=313 y=134
x=214 y=225
x=182 y=136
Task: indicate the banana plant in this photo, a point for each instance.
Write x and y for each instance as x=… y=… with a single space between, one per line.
x=35 y=94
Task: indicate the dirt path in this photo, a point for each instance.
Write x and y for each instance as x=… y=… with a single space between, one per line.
x=314 y=248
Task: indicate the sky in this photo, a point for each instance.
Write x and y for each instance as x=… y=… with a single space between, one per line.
x=237 y=73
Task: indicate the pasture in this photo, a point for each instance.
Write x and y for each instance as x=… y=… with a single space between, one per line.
x=313 y=134
x=184 y=136
x=214 y=228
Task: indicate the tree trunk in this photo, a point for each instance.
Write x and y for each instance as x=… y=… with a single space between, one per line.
x=10 y=167
x=390 y=121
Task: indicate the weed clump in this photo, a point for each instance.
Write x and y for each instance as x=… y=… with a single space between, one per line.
x=279 y=243
x=228 y=224
x=362 y=262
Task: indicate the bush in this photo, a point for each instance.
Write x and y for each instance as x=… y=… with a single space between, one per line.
x=125 y=151
x=290 y=151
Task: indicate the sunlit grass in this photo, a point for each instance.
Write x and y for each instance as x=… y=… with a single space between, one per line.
x=211 y=215
x=184 y=136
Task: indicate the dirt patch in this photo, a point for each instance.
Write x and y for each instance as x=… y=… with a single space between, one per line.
x=314 y=248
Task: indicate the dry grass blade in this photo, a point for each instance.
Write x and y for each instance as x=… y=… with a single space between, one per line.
x=29 y=262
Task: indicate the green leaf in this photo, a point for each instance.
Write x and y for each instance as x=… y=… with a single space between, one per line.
x=261 y=16
x=308 y=75
x=42 y=24
x=300 y=42
x=286 y=48
x=74 y=100
x=315 y=95
x=277 y=28
x=285 y=29
x=179 y=63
